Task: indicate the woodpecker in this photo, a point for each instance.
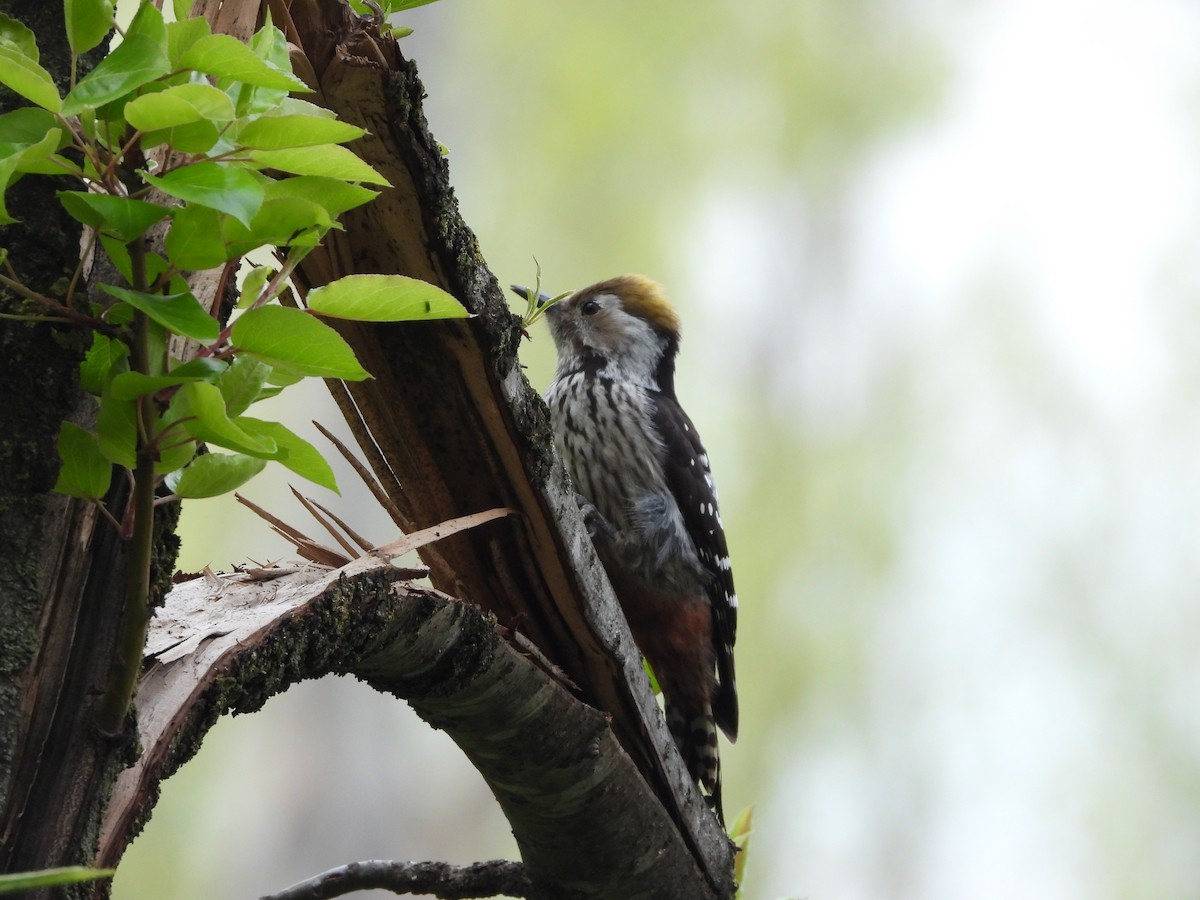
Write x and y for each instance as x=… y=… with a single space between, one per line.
x=647 y=494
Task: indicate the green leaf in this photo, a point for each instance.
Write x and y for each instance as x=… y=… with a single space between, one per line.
x=336 y=196
x=179 y=105
x=104 y=359
x=218 y=186
x=16 y=159
x=122 y=217
x=130 y=385
x=85 y=471
x=291 y=339
x=213 y=474
x=203 y=367
x=253 y=284
x=116 y=429
x=194 y=241
x=140 y=58
x=281 y=223
x=181 y=35
x=27 y=881
x=241 y=383
x=328 y=160
x=182 y=9
x=194 y=137
x=35 y=157
x=26 y=126
x=8 y=168
x=19 y=37
x=227 y=57
x=24 y=76
x=302 y=457
x=383 y=298
x=281 y=132
x=297 y=106
x=180 y=313
x=177 y=453
x=213 y=425
x=88 y=21
x=119 y=254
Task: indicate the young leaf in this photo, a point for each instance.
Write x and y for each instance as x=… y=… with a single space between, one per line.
x=227 y=57
x=141 y=58
x=85 y=472
x=282 y=132
x=282 y=221
x=194 y=137
x=129 y=385
x=211 y=184
x=8 y=168
x=335 y=195
x=177 y=452
x=181 y=35
x=19 y=37
x=18 y=158
x=25 y=126
x=123 y=217
x=294 y=340
x=213 y=474
x=36 y=157
x=253 y=284
x=212 y=423
x=302 y=457
x=88 y=21
x=383 y=298
x=104 y=359
x=203 y=367
x=19 y=68
x=179 y=105
x=180 y=313
x=194 y=241
x=118 y=252
x=241 y=383
x=329 y=160
x=116 y=430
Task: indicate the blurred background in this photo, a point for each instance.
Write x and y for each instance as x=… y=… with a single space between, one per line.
x=938 y=272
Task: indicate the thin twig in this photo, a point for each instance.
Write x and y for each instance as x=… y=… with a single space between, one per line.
x=368 y=478
x=325 y=523
x=314 y=552
x=292 y=534
x=362 y=542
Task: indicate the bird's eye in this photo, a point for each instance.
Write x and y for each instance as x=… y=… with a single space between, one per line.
x=589 y=307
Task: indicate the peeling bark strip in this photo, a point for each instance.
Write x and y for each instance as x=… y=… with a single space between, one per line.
x=552 y=762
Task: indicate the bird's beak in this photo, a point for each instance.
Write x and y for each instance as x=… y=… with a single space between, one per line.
x=524 y=292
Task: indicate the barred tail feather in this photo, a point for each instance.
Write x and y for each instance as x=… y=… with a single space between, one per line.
x=696 y=738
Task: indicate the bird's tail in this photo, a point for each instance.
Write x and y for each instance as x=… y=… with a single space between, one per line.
x=696 y=737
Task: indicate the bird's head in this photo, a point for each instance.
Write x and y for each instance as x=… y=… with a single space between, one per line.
x=624 y=325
